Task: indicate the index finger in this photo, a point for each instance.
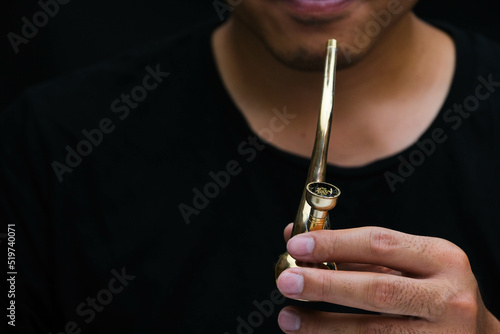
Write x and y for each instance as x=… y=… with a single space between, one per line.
x=372 y=245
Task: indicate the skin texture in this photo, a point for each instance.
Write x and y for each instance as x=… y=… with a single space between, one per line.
x=387 y=94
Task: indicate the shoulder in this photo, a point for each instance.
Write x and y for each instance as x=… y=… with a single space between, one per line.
x=475 y=52
x=470 y=115
x=476 y=83
x=471 y=41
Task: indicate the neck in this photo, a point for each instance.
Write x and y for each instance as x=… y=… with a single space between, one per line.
x=250 y=64
x=401 y=66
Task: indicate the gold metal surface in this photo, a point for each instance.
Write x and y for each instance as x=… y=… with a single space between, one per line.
x=318 y=196
x=321 y=197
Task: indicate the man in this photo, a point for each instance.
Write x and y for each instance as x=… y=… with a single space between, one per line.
x=388 y=93
x=148 y=192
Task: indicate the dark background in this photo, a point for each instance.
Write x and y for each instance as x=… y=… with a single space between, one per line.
x=85 y=32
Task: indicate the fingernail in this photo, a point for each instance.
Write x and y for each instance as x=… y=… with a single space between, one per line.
x=300 y=245
x=290 y=283
x=289 y=320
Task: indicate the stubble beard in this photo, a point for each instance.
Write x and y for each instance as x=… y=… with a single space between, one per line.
x=307 y=59
x=303 y=59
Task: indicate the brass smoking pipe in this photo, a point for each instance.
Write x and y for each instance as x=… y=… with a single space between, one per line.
x=318 y=196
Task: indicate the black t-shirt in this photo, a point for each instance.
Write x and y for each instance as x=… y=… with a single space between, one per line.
x=142 y=202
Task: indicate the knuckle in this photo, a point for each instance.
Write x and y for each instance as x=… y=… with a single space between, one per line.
x=465 y=305
x=460 y=259
x=453 y=255
x=382 y=242
x=325 y=286
x=384 y=293
x=329 y=248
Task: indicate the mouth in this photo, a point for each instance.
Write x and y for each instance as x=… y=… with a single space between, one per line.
x=316 y=9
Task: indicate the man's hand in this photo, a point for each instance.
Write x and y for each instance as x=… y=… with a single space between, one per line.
x=418 y=284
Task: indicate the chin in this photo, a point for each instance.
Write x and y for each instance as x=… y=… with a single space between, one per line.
x=301 y=59
x=313 y=59
x=296 y=31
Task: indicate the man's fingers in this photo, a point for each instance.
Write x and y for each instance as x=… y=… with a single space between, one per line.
x=287 y=233
x=367 y=268
x=372 y=245
x=296 y=320
x=364 y=290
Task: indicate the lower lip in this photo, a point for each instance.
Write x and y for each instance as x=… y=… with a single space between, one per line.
x=321 y=7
